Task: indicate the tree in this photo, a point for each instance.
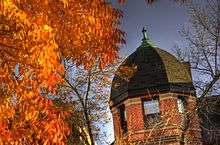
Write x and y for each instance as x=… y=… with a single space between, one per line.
x=34 y=35
x=203 y=45
x=203 y=37
x=88 y=92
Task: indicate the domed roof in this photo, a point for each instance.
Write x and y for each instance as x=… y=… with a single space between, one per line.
x=150 y=69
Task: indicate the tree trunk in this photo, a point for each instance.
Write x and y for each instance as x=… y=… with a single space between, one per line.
x=89 y=127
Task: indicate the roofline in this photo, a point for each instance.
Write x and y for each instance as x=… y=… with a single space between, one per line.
x=193 y=93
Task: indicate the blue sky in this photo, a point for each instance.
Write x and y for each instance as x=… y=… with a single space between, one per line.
x=163 y=20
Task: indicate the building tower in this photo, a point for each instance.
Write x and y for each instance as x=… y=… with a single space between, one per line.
x=151 y=95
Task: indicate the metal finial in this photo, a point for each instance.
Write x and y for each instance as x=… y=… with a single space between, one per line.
x=146 y=41
x=144 y=31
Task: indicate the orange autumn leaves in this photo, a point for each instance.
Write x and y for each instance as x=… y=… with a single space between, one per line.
x=88 y=32
x=29 y=60
x=34 y=35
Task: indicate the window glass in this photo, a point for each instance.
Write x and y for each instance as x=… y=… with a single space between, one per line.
x=151 y=107
x=151 y=111
x=123 y=118
x=181 y=104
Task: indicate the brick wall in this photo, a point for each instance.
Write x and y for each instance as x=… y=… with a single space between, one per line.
x=167 y=132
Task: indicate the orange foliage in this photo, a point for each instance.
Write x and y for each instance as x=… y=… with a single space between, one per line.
x=34 y=35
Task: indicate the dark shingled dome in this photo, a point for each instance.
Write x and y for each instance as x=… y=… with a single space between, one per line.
x=150 y=69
